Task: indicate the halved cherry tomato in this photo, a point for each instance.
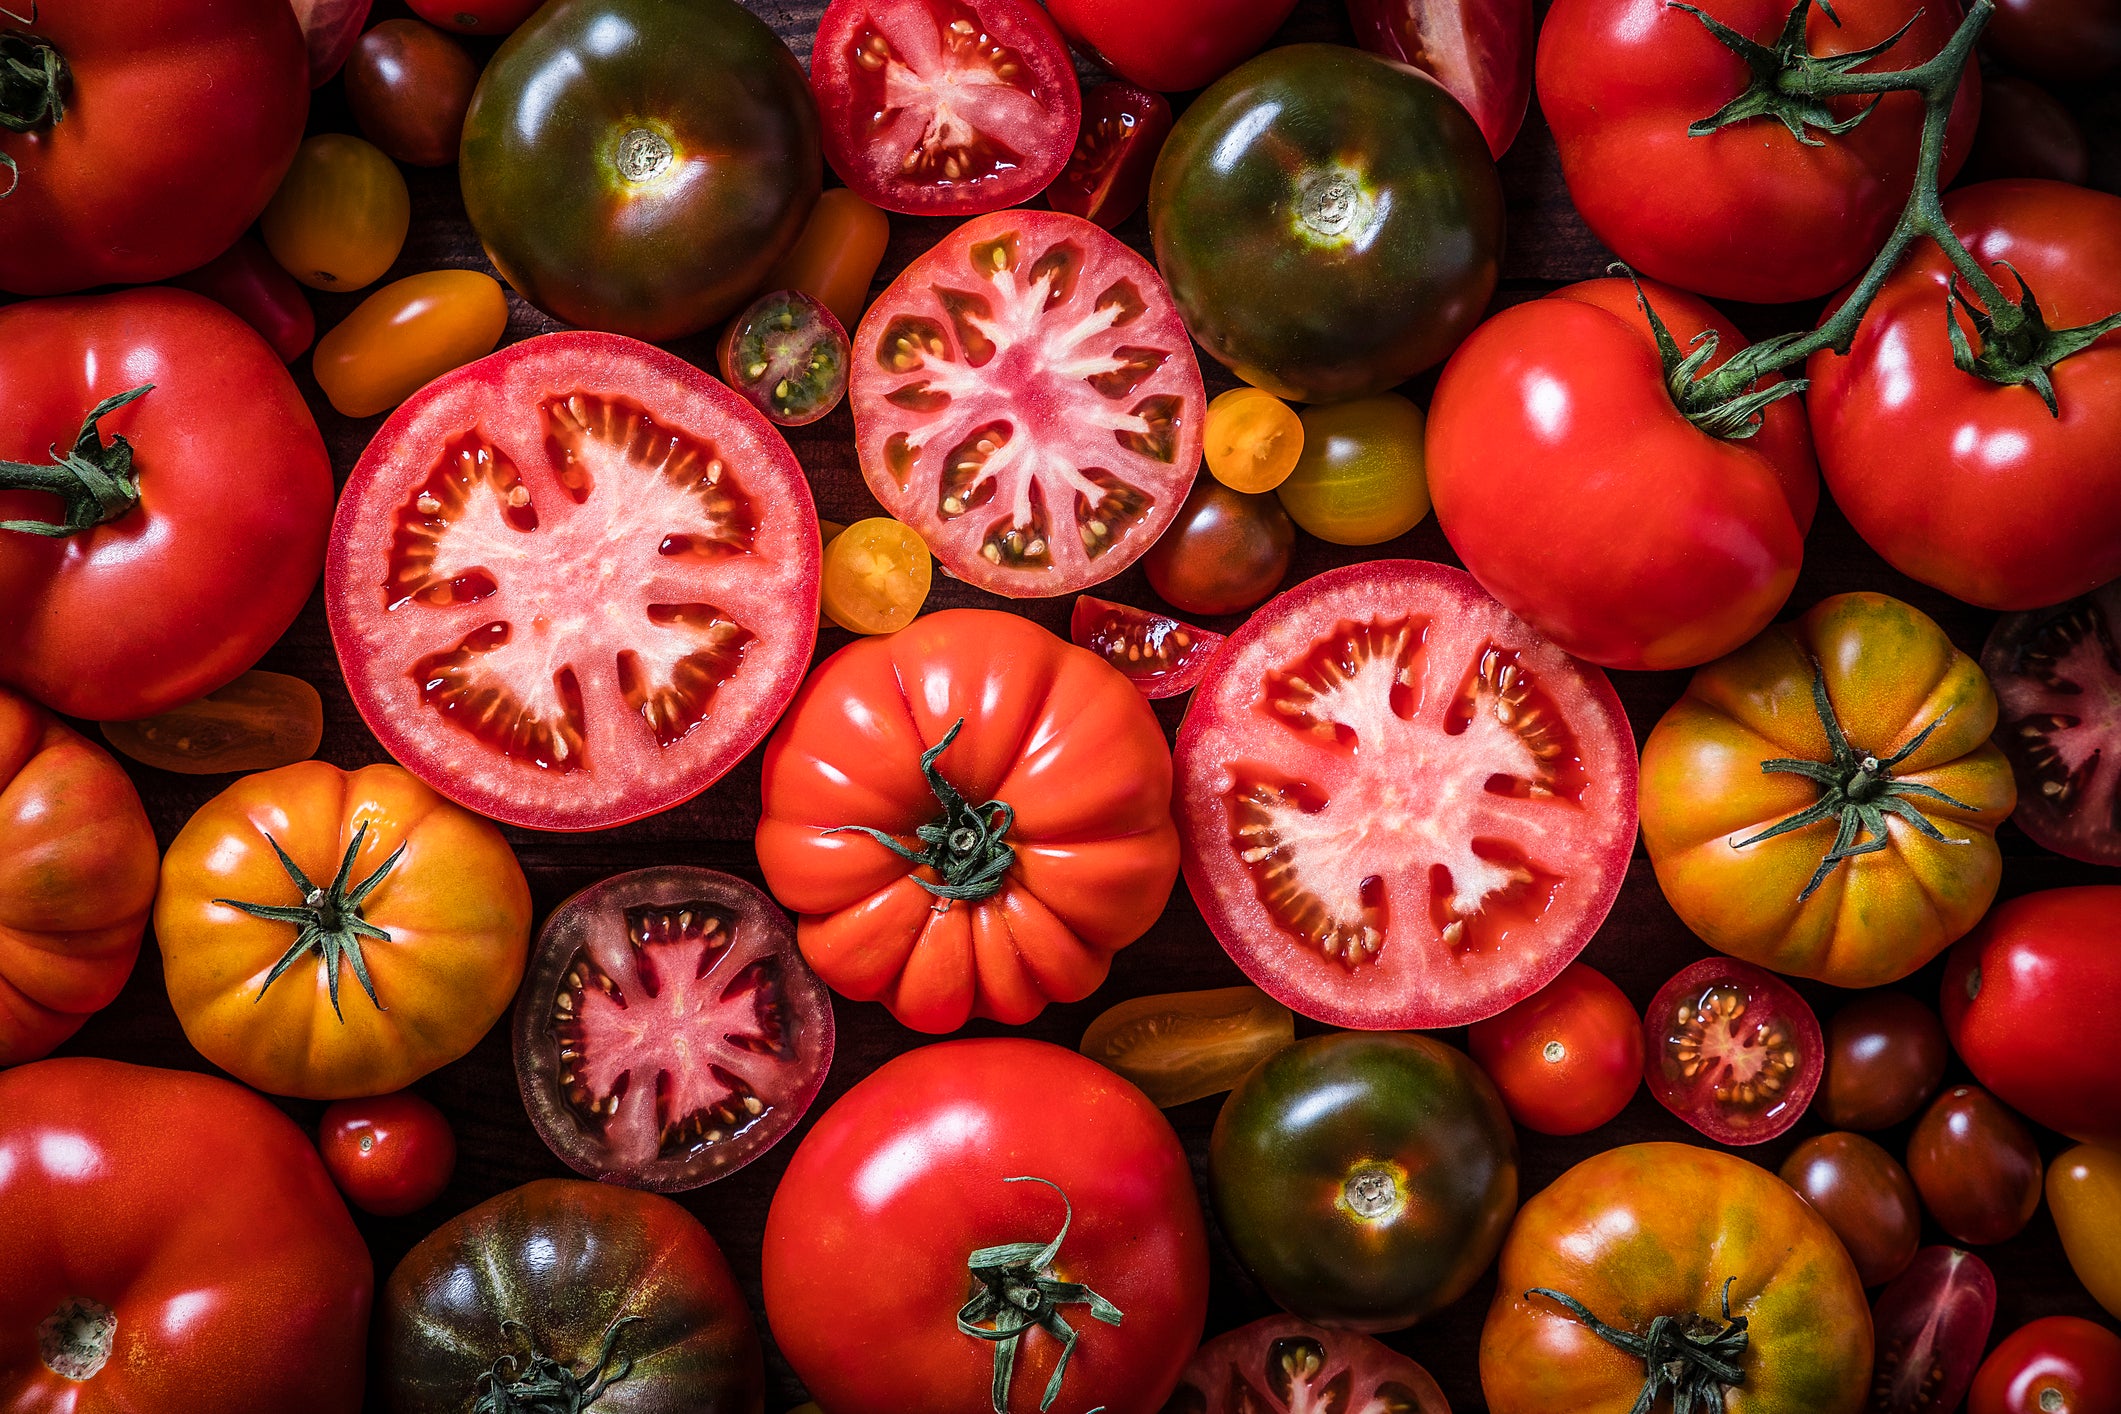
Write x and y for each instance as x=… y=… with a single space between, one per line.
x=1480 y=51
x=489 y=17
x=409 y=85
x=406 y=335
x=248 y=282
x=876 y=578
x=2055 y=1365
x=1281 y=1365
x=1732 y=1050
x=787 y=354
x=1865 y=1197
x=259 y=722
x=835 y=258
x=2084 y=1196
x=1162 y=656
x=1224 y=552
x=1885 y=1055
x=339 y=218
x=330 y=28
x=1363 y=477
x=390 y=1155
x=1251 y=440
x=1107 y=176
x=2057 y=675
x=1568 y=1058
x=1976 y=1166
x=1186 y=1046
x=1931 y=1325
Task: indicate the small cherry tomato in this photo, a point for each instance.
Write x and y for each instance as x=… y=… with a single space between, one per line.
x=787 y=354
x=406 y=335
x=1107 y=176
x=1186 y=1046
x=1363 y=478
x=1732 y=1050
x=1865 y=1197
x=409 y=85
x=1162 y=656
x=2084 y=1195
x=2024 y=132
x=1885 y=1054
x=249 y=283
x=1976 y=1166
x=390 y=1155
x=339 y=218
x=876 y=577
x=1251 y=439
x=1568 y=1058
x=1224 y=551
x=260 y=722
x=834 y=261
x=1930 y=1327
x=490 y=17
x=2055 y=1365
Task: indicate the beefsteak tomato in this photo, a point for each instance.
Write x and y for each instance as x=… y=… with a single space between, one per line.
x=1172 y=45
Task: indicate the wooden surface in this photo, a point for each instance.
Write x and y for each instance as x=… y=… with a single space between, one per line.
x=1641 y=945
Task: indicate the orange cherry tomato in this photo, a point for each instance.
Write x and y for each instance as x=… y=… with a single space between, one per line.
x=259 y=722
x=339 y=218
x=2084 y=1194
x=1186 y=1046
x=406 y=335
x=1252 y=439
x=877 y=576
x=834 y=261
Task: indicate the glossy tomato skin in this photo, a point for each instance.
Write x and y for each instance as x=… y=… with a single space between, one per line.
x=563 y=1262
x=1885 y=1056
x=1932 y=1323
x=2071 y=42
x=867 y=1242
x=1330 y=222
x=1362 y=479
x=2055 y=1365
x=2033 y=1003
x=1747 y=212
x=2084 y=1196
x=1364 y=1179
x=103 y=1214
x=1280 y=1364
x=179 y=120
x=1568 y=1058
x=1976 y=1166
x=409 y=86
x=639 y=166
x=1225 y=552
x=1865 y=1197
x=1171 y=47
x=339 y=218
x=1482 y=53
x=1663 y=546
x=246 y=280
x=390 y=1155
x=406 y=335
x=187 y=589
x=1964 y=484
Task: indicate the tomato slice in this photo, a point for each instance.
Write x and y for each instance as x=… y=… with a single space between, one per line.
x=2057 y=674
x=944 y=107
x=1402 y=807
x=1185 y=1046
x=1107 y=175
x=1731 y=1049
x=259 y=722
x=573 y=583
x=1281 y=1365
x=787 y=354
x=1481 y=50
x=1162 y=656
x=1932 y=1323
x=1027 y=399
x=669 y=1031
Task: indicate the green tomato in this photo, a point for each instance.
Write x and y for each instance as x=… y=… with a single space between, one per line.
x=1361 y=479
x=639 y=165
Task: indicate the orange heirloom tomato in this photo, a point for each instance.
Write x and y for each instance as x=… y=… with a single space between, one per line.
x=1824 y=801
x=259 y=721
x=339 y=218
x=971 y=815
x=406 y=335
x=77 y=874
x=834 y=261
x=331 y=934
x=2084 y=1194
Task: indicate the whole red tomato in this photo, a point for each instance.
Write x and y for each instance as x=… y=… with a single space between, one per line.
x=1577 y=492
x=390 y=1155
x=169 y=1241
x=1008 y=1186
x=155 y=131
x=2055 y=1365
x=1972 y=486
x=1748 y=211
x=1568 y=1058
x=201 y=503
x=1170 y=45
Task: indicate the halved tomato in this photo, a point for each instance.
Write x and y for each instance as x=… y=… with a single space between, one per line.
x=573 y=583
x=1162 y=656
x=669 y=1032
x=1027 y=399
x=1281 y=1365
x=1107 y=175
x=1400 y=806
x=2057 y=675
x=944 y=107
x=1733 y=1050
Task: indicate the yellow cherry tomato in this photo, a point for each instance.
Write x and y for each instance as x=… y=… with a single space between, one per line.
x=876 y=576
x=407 y=334
x=339 y=218
x=1184 y=1046
x=2084 y=1194
x=259 y=722
x=835 y=259
x=1362 y=479
x=1252 y=439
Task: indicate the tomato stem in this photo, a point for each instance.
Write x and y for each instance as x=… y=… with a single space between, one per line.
x=967 y=844
x=329 y=918
x=96 y=480
x=542 y=1385
x=1018 y=1291
x=1680 y=1354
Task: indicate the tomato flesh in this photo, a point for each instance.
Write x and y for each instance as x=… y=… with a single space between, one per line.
x=1401 y=807
x=1282 y=1365
x=2057 y=674
x=1732 y=1050
x=1107 y=175
x=256 y=723
x=1162 y=656
x=1932 y=1323
x=1187 y=1046
x=787 y=355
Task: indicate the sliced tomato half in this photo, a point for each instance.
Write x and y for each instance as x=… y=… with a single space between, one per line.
x=1026 y=397
x=573 y=583
x=1160 y=655
x=1400 y=806
x=944 y=107
x=2057 y=674
x=1281 y=1365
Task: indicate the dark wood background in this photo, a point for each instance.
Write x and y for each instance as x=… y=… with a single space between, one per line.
x=1641 y=945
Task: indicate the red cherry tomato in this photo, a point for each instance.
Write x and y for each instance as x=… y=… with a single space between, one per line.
x=390 y=1155
x=491 y=17
x=1732 y=1050
x=248 y=282
x=1568 y=1058
x=2055 y=1365
x=1931 y=1323
x=1162 y=656
x=1107 y=176
x=1976 y=1166
x=1481 y=50
x=1170 y=45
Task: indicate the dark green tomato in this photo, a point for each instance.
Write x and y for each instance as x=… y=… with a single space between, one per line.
x=1365 y=1178
x=1330 y=222
x=787 y=354
x=639 y=165
x=562 y=1274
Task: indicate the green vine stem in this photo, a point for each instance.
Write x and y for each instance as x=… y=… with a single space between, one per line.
x=96 y=481
x=329 y=919
x=1684 y=1356
x=33 y=82
x=1018 y=1291
x=967 y=845
x=542 y=1385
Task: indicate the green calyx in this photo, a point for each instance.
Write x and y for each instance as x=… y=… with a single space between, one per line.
x=33 y=82
x=1018 y=1291
x=2017 y=347
x=96 y=481
x=966 y=845
x=542 y=1385
x=1683 y=1356
x=1730 y=413
x=330 y=922
x=1857 y=789
x=1788 y=82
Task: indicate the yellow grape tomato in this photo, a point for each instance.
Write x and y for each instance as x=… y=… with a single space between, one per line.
x=2084 y=1194
x=406 y=335
x=1185 y=1046
x=834 y=261
x=339 y=218
x=1252 y=439
x=1362 y=478
x=877 y=574
x=259 y=722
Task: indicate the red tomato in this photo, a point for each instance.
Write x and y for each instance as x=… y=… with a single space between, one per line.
x=1107 y=176
x=2032 y=1001
x=944 y=107
x=330 y=29
x=1171 y=45
x=2026 y=132
x=248 y=282
x=1732 y=1050
x=1281 y=1365
x=1400 y=806
x=170 y=126
x=1161 y=656
x=2055 y=1365
x=182 y=589
x=390 y=1155
x=504 y=501
x=1480 y=51
x=152 y=1222
x=1747 y=212
x=1931 y=1322
x=491 y=17
x=2058 y=41
x=929 y=1167
x=2057 y=675
x=1026 y=398
x=1968 y=485
x=1654 y=544
x=1568 y=1058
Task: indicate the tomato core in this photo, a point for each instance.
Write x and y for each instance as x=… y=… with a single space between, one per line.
x=75 y=1340
x=1747 y=1061
x=644 y=155
x=1374 y=1192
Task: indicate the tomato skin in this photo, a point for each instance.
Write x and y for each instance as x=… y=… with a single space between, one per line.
x=2073 y=42
x=1885 y=1056
x=1175 y=46
x=77 y=870
x=1663 y=547
x=339 y=219
x=836 y=257
x=2084 y=1195
x=864 y=1277
x=406 y=335
x=246 y=280
x=188 y=588
x=2055 y=1365
x=1107 y=175
x=2033 y=1003
x=390 y=1155
x=180 y=120
x=1362 y=479
x=1976 y=1166
x=475 y=16
x=1482 y=53
x=1223 y=553
x=1599 y=1066
x=1746 y=212
x=1865 y=1197
x=101 y=1199
x=409 y=86
x=1963 y=484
